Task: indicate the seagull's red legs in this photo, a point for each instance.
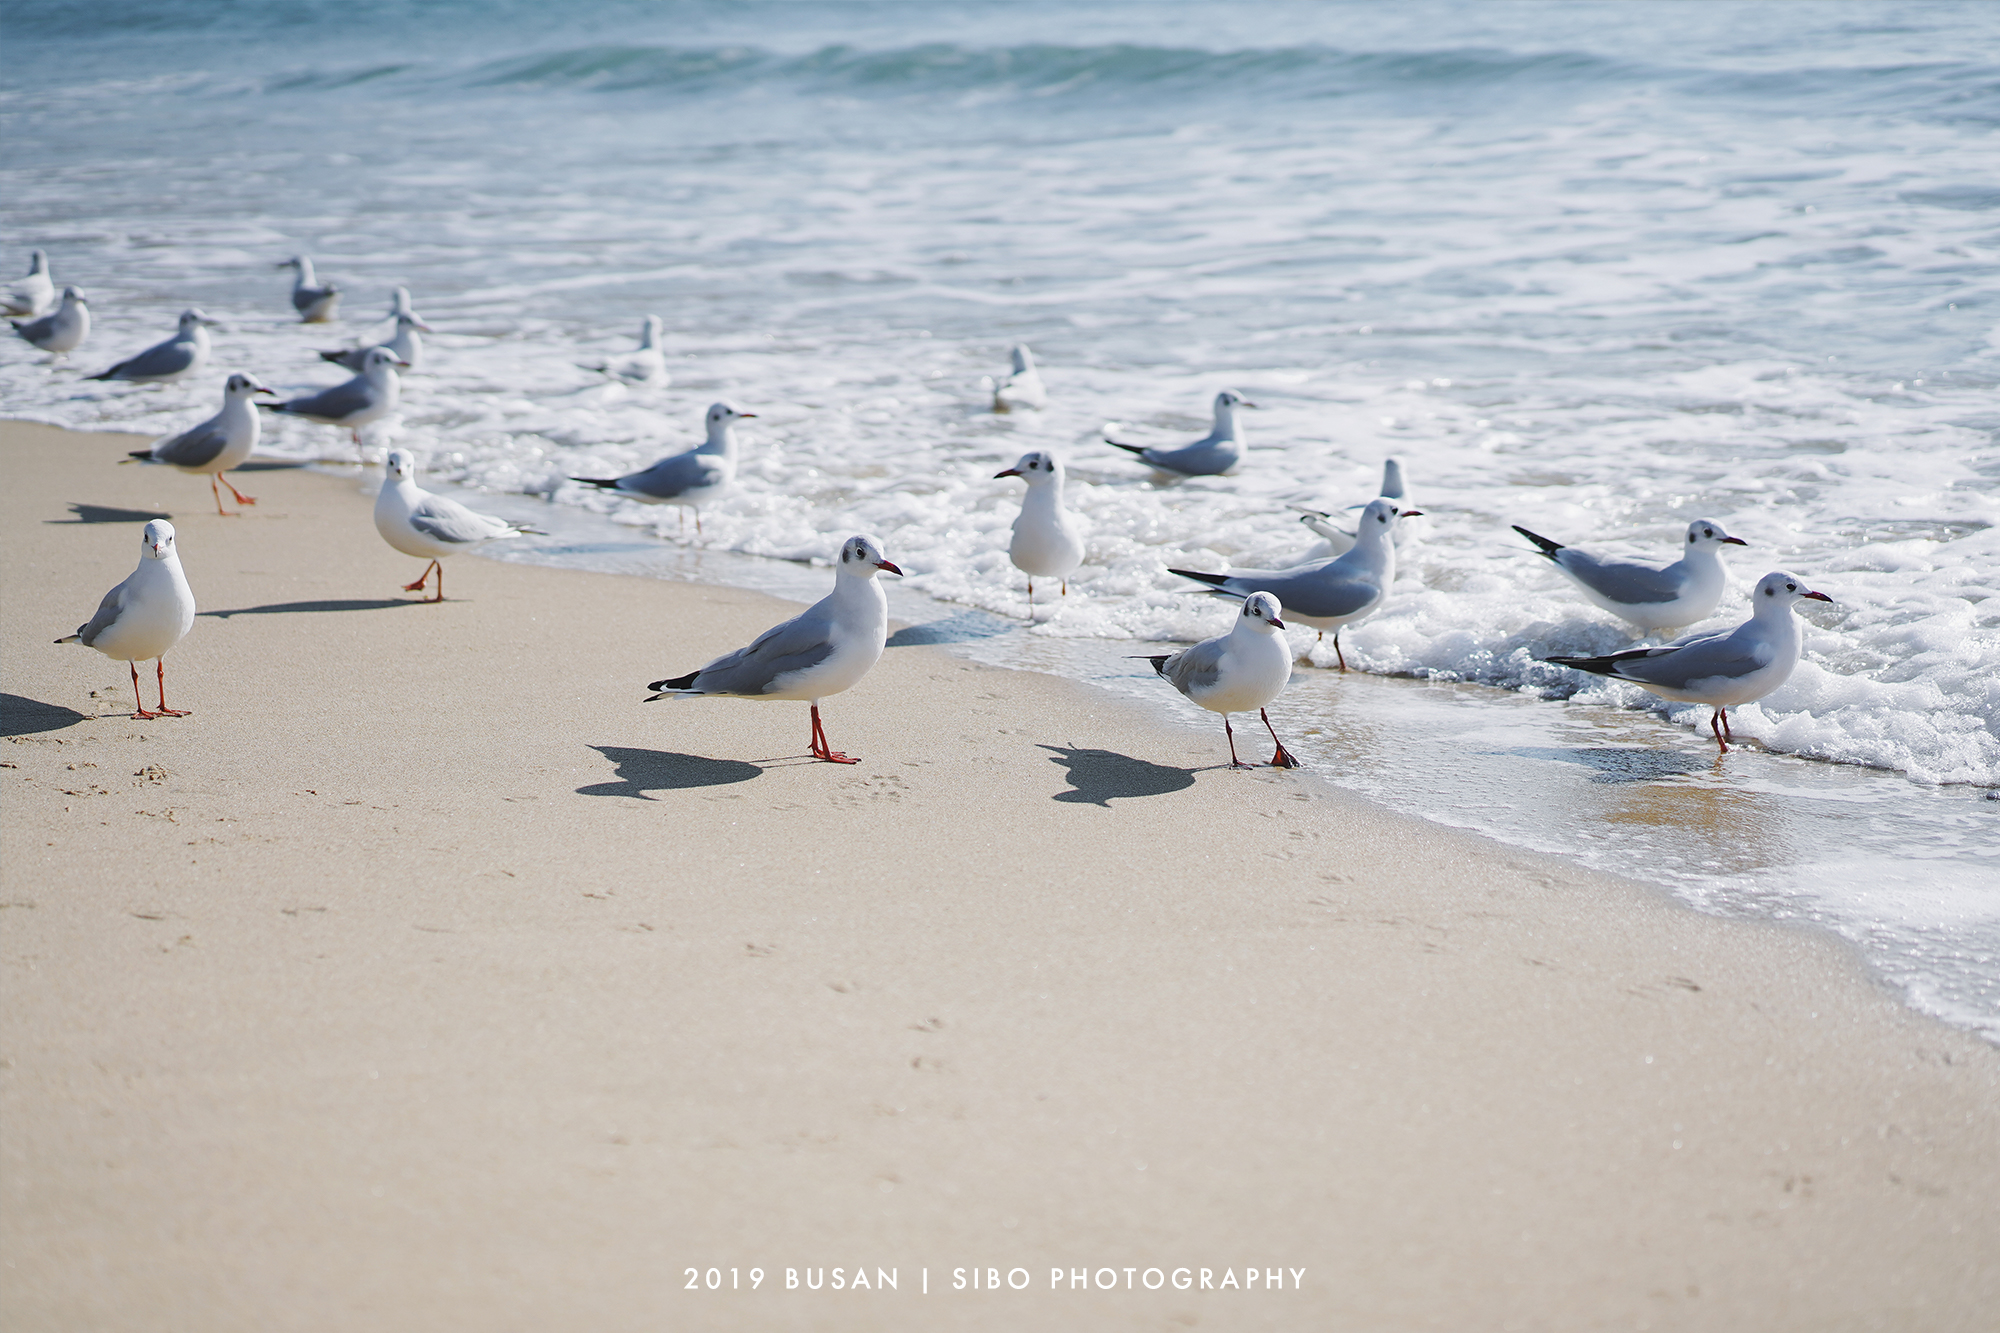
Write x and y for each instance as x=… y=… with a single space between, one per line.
x=160 y=674
x=418 y=586
x=820 y=749
x=241 y=498
x=1230 y=732
x=1283 y=758
x=1715 y=724
x=1336 y=650
x=218 y=497
x=138 y=704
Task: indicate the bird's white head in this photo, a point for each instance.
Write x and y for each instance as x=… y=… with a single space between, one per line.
x=381 y=361
x=404 y=319
x=862 y=556
x=402 y=465
x=1261 y=612
x=1228 y=401
x=1037 y=469
x=296 y=261
x=1380 y=516
x=245 y=386
x=1705 y=534
x=1024 y=360
x=157 y=541
x=1779 y=591
x=726 y=413
x=399 y=301
x=193 y=318
x=1392 y=479
x=73 y=296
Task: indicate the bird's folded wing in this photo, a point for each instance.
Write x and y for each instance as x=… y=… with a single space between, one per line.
x=803 y=641
x=335 y=404
x=36 y=329
x=159 y=359
x=1623 y=581
x=1196 y=668
x=449 y=521
x=192 y=448
x=1721 y=656
x=672 y=476
x=107 y=612
x=1316 y=590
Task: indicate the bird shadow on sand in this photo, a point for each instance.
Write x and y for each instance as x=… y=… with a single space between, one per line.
x=1622 y=763
x=23 y=717
x=261 y=465
x=641 y=771
x=83 y=513
x=299 y=608
x=1097 y=777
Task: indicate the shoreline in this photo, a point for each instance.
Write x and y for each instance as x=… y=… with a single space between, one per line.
x=426 y=1029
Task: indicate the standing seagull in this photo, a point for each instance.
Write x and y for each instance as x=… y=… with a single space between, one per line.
x=217 y=444
x=1046 y=541
x=1213 y=454
x=178 y=357
x=823 y=650
x=1022 y=388
x=1337 y=540
x=645 y=364
x=1327 y=594
x=363 y=400
x=430 y=527
x=315 y=301
x=686 y=479
x=1235 y=672
x=64 y=331
x=1651 y=597
x=33 y=294
x=1720 y=670
x=150 y=612
x=407 y=346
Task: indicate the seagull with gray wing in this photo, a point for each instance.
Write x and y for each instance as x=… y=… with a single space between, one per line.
x=141 y=618
x=404 y=343
x=431 y=527
x=1213 y=454
x=317 y=302
x=61 y=332
x=1651 y=597
x=33 y=294
x=1235 y=672
x=644 y=364
x=1337 y=540
x=361 y=401
x=823 y=650
x=686 y=479
x=178 y=357
x=217 y=444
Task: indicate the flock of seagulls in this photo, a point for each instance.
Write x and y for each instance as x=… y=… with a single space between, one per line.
x=828 y=648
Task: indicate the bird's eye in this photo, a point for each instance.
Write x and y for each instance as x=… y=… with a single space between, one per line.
x=1791 y=587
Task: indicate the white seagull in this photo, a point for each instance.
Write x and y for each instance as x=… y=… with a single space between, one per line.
x=823 y=650
x=1652 y=597
x=1213 y=454
x=686 y=479
x=1336 y=539
x=1023 y=387
x=399 y=304
x=1327 y=594
x=1235 y=672
x=404 y=342
x=217 y=444
x=1723 y=670
x=178 y=357
x=645 y=364
x=1046 y=541
x=430 y=527
x=317 y=302
x=60 y=333
x=141 y=618
x=33 y=294
x=361 y=401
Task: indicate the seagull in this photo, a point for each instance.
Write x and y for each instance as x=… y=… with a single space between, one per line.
x=1022 y=388
x=1235 y=672
x=33 y=294
x=823 y=650
x=150 y=612
x=1651 y=597
x=315 y=301
x=1720 y=670
x=178 y=357
x=367 y=398
x=430 y=527
x=217 y=444
x=1213 y=454
x=62 y=332
x=686 y=479
x=1327 y=594
x=1046 y=541
x=1339 y=541
x=407 y=346
x=645 y=364
x=399 y=304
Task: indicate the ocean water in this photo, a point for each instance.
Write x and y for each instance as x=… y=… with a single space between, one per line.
x=1593 y=269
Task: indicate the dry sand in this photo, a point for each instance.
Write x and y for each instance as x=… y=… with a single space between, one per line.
x=425 y=978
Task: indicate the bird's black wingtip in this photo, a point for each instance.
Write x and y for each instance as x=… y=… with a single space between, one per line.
x=1600 y=666
x=143 y=455
x=335 y=357
x=109 y=374
x=1548 y=548
x=605 y=482
x=677 y=683
x=1199 y=577
x=1128 y=448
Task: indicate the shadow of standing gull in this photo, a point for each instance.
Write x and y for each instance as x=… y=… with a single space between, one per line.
x=20 y=716
x=299 y=608
x=641 y=771
x=89 y=513
x=1096 y=777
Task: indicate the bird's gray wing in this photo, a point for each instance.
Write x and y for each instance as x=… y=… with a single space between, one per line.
x=335 y=404
x=1203 y=458
x=1320 y=590
x=449 y=521
x=1725 y=656
x=349 y=359
x=107 y=613
x=1623 y=581
x=671 y=476
x=804 y=641
x=36 y=329
x=193 y=448
x=1196 y=668
x=167 y=358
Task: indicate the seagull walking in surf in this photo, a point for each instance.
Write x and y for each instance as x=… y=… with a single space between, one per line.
x=686 y=479
x=60 y=332
x=1650 y=597
x=1212 y=455
x=317 y=302
x=178 y=357
x=1046 y=540
x=431 y=527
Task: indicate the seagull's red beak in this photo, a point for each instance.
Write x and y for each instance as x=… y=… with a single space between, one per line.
x=887 y=567
x=1010 y=472
x=1412 y=513
x=1734 y=541
x=1277 y=624
x=1816 y=596
x=746 y=416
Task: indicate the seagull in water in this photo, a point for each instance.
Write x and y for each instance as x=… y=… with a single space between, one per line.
x=1651 y=597
x=1046 y=541
x=1235 y=672
x=399 y=304
x=178 y=357
x=1336 y=539
x=316 y=301
x=63 y=332
x=645 y=364
x=823 y=650
x=34 y=293
x=430 y=527
x=141 y=618
x=1213 y=454
x=361 y=401
x=686 y=479
x=217 y=444
x=1022 y=388
x=1720 y=670
x=404 y=343
x=1327 y=594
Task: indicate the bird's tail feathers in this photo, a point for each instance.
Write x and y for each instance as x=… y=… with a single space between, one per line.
x=1128 y=448
x=1216 y=580
x=1159 y=664
x=1548 y=548
x=70 y=638
x=605 y=482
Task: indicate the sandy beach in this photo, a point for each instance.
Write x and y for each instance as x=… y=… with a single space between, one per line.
x=426 y=978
